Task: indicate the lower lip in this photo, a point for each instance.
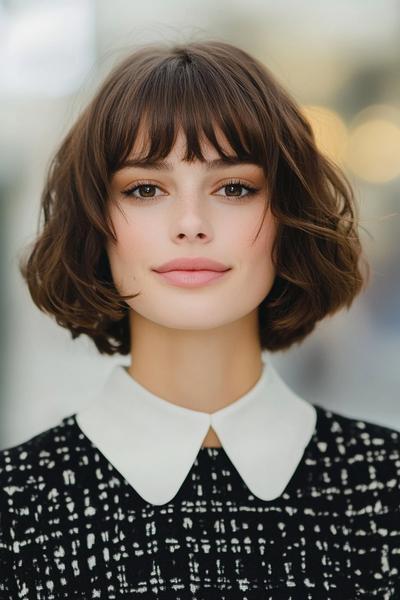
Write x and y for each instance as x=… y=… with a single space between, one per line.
x=191 y=278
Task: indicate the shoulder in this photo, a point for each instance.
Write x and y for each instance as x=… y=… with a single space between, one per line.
x=45 y=460
x=42 y=480
x=365 y=452
x=345 y=433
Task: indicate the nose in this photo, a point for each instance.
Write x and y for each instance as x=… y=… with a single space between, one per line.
x=193 y=221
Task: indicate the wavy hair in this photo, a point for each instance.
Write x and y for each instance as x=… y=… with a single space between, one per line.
x=198 y=86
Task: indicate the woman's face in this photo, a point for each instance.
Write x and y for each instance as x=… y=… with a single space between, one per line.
x=191 y=211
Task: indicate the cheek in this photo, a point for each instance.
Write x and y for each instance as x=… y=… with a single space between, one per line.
x=259 y=270
x=126 y=253
x=132 y=238
x=254 y=240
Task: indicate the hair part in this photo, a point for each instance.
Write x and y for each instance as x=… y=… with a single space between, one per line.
x=164 y=88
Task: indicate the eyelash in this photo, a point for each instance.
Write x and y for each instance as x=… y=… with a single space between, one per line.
x=251 y=191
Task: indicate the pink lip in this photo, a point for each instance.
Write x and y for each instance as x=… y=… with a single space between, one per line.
x=191 y=279
x=191 y=264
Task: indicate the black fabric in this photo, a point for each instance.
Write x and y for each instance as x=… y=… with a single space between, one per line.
x=73 y=527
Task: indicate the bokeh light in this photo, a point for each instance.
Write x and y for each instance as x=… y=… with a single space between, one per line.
x=329 y=129
x=373 y=149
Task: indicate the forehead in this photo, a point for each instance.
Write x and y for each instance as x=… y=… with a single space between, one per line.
x=141 y=146
x=153 y=143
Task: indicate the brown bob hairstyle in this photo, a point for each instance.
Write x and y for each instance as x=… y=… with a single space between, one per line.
x=200 y=87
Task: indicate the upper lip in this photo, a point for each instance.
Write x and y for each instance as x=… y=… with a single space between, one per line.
x=191 y=264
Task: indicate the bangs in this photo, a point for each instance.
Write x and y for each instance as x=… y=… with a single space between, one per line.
x=196 y=96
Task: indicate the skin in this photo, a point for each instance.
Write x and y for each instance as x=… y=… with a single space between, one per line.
x=195 y=347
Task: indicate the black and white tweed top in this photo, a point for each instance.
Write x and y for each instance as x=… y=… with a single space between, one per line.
x=72 y=526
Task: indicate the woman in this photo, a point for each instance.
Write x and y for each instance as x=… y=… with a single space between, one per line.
x=191 y=222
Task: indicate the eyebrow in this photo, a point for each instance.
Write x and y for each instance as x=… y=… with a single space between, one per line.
x=163 y=165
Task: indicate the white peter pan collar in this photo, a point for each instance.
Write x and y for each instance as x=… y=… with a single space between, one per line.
x=153 y=443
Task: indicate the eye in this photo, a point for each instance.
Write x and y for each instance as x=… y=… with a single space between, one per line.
x=146 y=190
x=236 y=184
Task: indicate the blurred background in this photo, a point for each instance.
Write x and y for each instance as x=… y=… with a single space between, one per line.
x=340 y=60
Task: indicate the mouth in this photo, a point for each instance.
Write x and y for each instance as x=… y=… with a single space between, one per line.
x=192 y=278
x=191 y=264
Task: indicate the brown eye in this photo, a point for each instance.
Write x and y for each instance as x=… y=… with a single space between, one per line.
x=146 y=190
x=235 y=187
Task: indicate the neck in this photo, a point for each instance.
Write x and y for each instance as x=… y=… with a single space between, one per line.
x=204 y=370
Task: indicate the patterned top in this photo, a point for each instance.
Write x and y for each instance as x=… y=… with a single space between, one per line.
x=73 y=527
